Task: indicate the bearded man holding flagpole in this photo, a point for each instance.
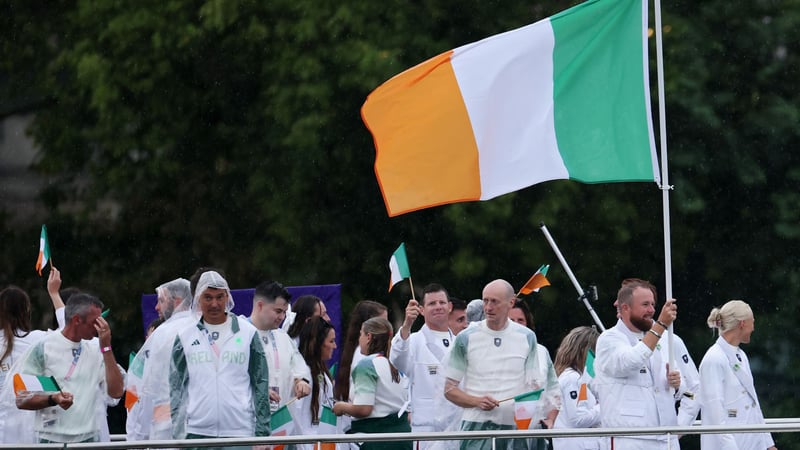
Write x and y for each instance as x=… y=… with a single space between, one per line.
x=637 y=386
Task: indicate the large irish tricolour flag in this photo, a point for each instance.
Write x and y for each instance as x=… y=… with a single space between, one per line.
x=564 y=98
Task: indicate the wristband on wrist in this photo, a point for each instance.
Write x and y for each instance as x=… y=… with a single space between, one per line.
x=654 y=333
x=661 y=323
x=51 y=401
x=105 y=349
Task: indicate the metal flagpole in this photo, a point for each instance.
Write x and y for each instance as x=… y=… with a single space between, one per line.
x=583 y=294
x=665 y=187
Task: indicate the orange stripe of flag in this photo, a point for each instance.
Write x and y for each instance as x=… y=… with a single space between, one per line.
x=582 y=395
x=130 y=398
x=426 y=154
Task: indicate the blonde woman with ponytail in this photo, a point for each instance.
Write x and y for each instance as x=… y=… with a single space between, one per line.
x=727 y=392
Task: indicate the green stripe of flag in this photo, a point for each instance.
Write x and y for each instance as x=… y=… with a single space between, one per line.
x=398 y=265
x=35 y=383
x=280 y=417
x=601 y=83
x=589 y=367
x=327 y=416
x=531 y=396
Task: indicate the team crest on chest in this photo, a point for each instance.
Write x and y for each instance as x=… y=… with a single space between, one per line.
x=446 y=342
x=497 y=342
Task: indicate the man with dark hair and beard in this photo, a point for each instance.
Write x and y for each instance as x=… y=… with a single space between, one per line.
x=636 y=386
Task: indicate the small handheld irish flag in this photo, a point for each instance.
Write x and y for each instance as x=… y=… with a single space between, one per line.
x=537 y=281
x=527 y=407
x=282 y=425
x=586 y=377
x=327 y=425
x=398 y=266
x=44 y=251
x=135 y=375
x=34 y=384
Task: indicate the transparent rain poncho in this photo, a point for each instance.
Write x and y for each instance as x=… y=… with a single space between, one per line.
x=180 y=384
x=147 y=396
x=176 y=289
x=475 y=310
x=211 y=280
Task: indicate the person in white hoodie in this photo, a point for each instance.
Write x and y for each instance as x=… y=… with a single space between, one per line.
x=419 y=355
x=219 y=378
x=728 y=394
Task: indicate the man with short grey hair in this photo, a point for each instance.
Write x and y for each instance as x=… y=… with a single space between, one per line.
x=148 y=410
x=79 y=366
x=173 y=296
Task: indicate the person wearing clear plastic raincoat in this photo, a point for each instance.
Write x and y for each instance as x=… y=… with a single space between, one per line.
x=147 y=397
x=219 y=379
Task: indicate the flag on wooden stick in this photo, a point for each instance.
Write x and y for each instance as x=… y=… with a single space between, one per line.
x=24 y=382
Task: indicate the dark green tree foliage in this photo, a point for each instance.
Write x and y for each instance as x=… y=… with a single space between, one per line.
x=177 y=133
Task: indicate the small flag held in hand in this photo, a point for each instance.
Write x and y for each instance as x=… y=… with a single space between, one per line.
x=398 y=265
x=327 y=425
x=586 y=377
x=44 y=251
x=528 y=409
x=282 y=424
x=537 y=281
x=34 y=384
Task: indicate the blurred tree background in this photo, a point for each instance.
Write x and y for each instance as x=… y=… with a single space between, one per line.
x=176 y=133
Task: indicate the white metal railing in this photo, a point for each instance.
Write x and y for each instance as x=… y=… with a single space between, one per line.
x=782 y=425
